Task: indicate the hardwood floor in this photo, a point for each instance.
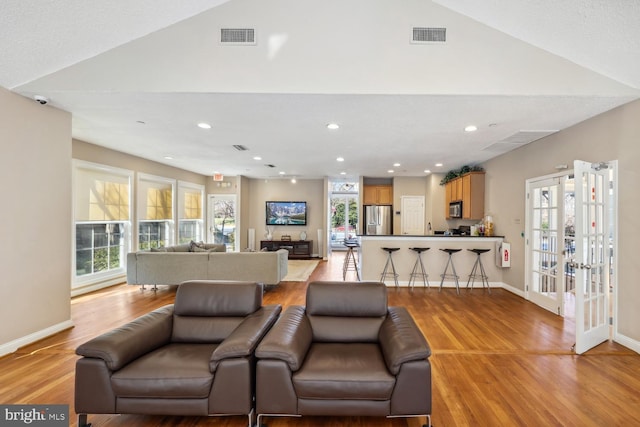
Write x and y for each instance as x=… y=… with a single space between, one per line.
x=498 y=360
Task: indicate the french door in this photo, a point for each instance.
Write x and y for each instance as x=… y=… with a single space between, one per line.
x=595 y=249
x=545 y=253
x=571 y=247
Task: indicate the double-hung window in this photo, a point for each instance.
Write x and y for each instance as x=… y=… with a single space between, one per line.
x=155 y=211
x=102 y=219
x=190 y=212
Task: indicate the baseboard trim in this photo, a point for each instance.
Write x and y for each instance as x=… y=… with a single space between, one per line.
x=13 y=346
x=630 y=343
x=420 y=284
x=97 y=286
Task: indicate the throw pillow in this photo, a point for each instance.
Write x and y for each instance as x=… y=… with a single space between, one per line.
x=158 y=249
x=196 y=246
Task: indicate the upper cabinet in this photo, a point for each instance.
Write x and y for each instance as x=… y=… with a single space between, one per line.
x=377 y=195
x=469 y=189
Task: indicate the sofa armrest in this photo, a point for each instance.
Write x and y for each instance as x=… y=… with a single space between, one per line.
x=244 y=339
x=401 y=340
x=128 y=342
x=289 y=339
x=132 y=268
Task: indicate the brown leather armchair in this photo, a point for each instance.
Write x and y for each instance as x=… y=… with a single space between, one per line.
x=194 y=357
x=346 y=353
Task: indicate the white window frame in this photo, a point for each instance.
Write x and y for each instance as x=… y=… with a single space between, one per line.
x=184 y=185
x=110 y=276
x=141 y=204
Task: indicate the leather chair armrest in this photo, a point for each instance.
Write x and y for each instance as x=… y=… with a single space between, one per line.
x=130 y=341
x=244 y=339
x=289 y=339
x=401 y=340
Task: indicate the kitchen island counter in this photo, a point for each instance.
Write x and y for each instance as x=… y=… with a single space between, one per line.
x=373 y=258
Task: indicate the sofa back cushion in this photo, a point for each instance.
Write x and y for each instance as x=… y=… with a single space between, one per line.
x=179 y=248
x=346 y=311
x=209 y=310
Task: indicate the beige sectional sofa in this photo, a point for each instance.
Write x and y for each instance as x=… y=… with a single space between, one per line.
x=176 y=266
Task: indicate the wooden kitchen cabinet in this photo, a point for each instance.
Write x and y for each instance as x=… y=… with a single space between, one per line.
x=377 y=195
x=473 y=195
x=469 y=189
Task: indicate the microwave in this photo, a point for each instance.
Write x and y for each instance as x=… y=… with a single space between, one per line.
x=455 y=210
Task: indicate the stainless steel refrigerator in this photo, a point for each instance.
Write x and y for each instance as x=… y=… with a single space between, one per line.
x=377 y=220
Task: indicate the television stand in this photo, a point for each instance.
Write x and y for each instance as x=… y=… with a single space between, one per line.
x=298 y=249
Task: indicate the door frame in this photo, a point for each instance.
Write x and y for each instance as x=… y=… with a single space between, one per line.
x=613 y=223
x=210 y=213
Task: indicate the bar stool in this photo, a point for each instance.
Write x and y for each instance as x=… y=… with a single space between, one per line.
x=350 y=261
x=418 y=269
x=453 y=267
x=474 y=271
x=385 y=272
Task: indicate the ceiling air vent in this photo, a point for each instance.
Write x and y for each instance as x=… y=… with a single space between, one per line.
x=429 y=35
x=238 y=36
x=527 y=136
x=240 y=147
x=269 y=165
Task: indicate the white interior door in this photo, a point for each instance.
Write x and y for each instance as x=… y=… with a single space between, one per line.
x=545 y=244
x=412 y=215
x=595 y=195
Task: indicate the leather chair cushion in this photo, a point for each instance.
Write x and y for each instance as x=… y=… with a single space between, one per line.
x=345 y=329
x=344 y=371
x=356 y=299
x=234 y=299
x=172 y=371
x=203 y=329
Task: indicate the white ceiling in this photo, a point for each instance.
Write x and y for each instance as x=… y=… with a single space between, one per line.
x=518 y=70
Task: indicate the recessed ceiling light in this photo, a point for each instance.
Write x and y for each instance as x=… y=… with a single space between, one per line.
x=281 y=172
x=390 y=171
x=333 y=126
x=340 y=159
x=168 y=157
x=396 y=165
x=343 y=173
x=257 y=158
x=204 y=125
x=427 y=171
x=439 y=165
x=471 y=128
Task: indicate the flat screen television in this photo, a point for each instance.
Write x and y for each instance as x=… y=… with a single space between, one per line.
x=286 y=213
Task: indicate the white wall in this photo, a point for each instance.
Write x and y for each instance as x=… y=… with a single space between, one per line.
x=309 y=190
x=614 y=135
x=35 y=170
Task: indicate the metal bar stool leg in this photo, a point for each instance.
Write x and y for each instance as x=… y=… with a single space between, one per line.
x=453 y=268
x=418 y=269
x=385 y=271
x=478 y=266
x=485 y=278
x=350 y=262
x=472 y=276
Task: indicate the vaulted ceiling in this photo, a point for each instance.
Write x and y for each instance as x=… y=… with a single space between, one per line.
x=139 y=75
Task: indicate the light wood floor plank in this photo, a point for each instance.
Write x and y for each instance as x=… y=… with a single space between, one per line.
x=498 y=360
